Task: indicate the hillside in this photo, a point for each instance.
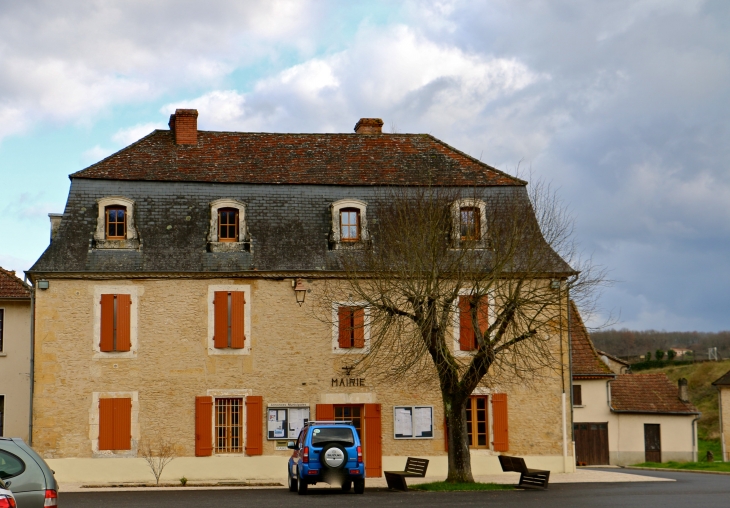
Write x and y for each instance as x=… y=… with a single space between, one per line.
x=630 y=343
x=701 y=392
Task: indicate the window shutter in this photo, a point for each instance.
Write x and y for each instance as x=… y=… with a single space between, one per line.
x=106 y=342
x=344 y=314
x=238 y=302
x=220 y=331
x=124 y=314
x=254 y=424
x=483 y=314
x=466 y=328
x=203 y=426
x=106 y=424
x=499 y=416
x=325 y=412
x=577 y=395
x=122 y=423
x=359 y=327
x=373 y=453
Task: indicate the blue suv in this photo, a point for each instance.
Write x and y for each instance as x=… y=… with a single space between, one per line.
x=328 y=452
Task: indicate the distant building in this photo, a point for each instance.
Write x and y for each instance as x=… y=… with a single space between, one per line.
x=623 y=419
x=680 y=351
x=14 y=355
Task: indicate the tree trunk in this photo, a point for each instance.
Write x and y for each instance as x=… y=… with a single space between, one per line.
x=459 y=457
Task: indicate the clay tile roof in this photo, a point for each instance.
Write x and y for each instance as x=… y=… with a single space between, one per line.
x=586 y=361
x=647 y=393
x=724 y=380
x=317 y=159
x=11 y=286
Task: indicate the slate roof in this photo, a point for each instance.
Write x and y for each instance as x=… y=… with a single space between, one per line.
x=314 y=159
x=586 y=361
x=11 y=286
x=724 y=380
x=647 y=393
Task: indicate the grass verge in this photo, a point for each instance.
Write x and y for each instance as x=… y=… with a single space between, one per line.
x=457 y=487
x=698 y=466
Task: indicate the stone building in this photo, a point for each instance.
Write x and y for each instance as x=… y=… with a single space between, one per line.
x=623 y=419
x=178 y=302
x=15 y=309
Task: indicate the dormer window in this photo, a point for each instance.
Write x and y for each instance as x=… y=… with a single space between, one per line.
x=227 y=225
x=116 y=222
x=115 y=227
x=469 y=226
x=350 y=225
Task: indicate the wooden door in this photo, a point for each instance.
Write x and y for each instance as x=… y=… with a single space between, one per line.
x=591 y=443
x=652 y=442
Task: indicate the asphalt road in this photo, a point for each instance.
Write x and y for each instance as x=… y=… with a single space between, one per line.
x=689 y=491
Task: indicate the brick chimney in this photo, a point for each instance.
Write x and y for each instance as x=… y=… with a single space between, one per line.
x=683 y=391
x=369 y=126
x=184 y=123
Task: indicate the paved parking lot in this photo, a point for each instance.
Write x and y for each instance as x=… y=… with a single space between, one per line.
x=687 y=490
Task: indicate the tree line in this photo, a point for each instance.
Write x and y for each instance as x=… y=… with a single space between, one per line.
x=631 y=344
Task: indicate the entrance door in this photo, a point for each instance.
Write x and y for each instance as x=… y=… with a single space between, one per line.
x=366 y=419
x=652 y=442
x=591 y=443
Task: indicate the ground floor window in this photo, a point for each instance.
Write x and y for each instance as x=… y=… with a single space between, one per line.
x=229 y=425
x=477 y=421
x=350 y=413
x=115 y=423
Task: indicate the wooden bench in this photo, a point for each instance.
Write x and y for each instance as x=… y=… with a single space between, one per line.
x=528 y=477
x=415 y=468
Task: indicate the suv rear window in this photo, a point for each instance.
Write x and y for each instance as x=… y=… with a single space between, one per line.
x=329 y=435
x=10 y=465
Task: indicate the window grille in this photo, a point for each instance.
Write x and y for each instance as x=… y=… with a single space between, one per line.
x=229 y=425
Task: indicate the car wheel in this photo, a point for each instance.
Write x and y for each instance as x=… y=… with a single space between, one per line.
x=346 y=486
x=301 y=487
x=360 y=486
x=333 y=457
x=292 y=481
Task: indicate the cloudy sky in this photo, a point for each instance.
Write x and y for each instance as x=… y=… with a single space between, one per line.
x=624 y=106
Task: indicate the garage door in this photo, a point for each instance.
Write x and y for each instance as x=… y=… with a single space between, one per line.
x=591 y=443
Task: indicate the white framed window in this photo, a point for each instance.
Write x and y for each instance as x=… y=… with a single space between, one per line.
x=469 y=216
x=134 y=293
x=350 y=327
x=464 y=343
x=95 y=420
x=115 y=227
x=227 y=349
x=228 y=231
x=349 y=224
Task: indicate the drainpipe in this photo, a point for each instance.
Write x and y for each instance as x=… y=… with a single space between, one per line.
x=32 y=361
x=695 y=448
x=618 y=425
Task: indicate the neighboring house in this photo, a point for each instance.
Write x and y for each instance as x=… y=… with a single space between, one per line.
x=723 y=400
x=15 y=312
x=171 y=307
x=616 y=364
x=623 y=419
x=681 y=352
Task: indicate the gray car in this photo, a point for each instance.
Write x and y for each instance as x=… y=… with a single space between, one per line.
x=27 y=475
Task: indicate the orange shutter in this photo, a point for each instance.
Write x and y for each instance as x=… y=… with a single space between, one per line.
x=203 y=426
x=122 y=424
x=106 y=424
x=483 y=313
x=373 y=452
x=237 y=322
x=344 y=315
x=466 y=328
x=124 y=313
x=106 y=342
x=254 y=425
x=358 y=325
x=220 y=331
x=325 y=412
x=499 y=418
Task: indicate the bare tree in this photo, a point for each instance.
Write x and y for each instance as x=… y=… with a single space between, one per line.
x=158 y=452
x=500 y=257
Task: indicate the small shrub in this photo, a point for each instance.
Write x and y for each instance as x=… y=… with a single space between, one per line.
x=183 y=481
x=671 y=354
x=648 y=356
x=659 y=354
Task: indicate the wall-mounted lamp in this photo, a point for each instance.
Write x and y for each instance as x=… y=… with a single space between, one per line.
x=299 y=290
x=43 y=284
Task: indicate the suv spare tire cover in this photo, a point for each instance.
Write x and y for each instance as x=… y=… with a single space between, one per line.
x=333 y=456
